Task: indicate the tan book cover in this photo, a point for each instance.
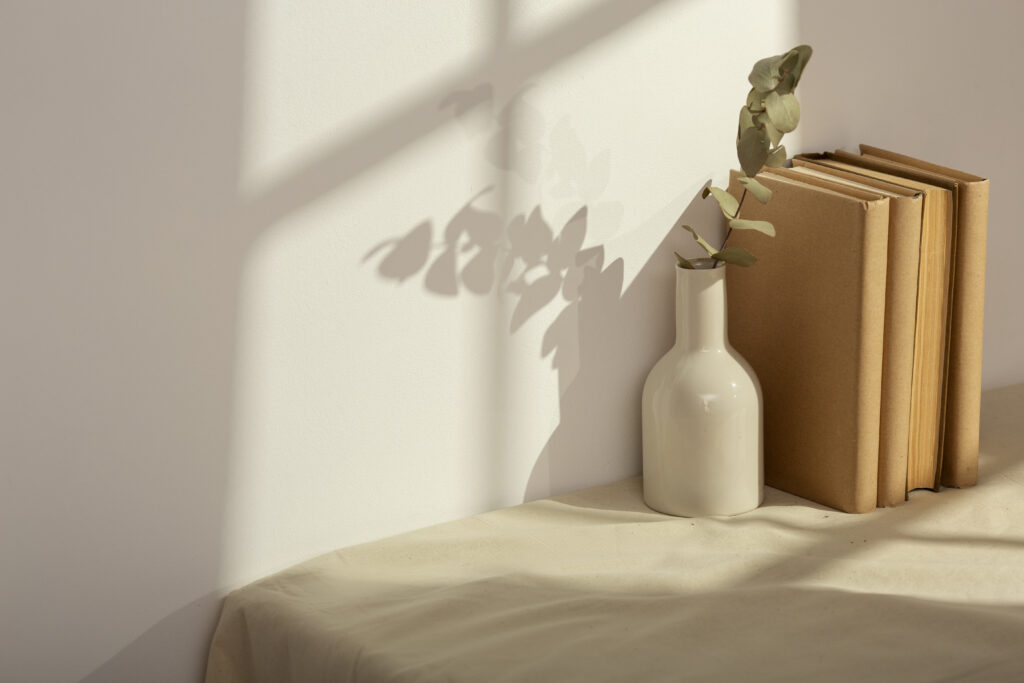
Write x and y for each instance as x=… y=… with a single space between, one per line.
x=809 y=317
x=928 y=390
x=967 y=318
x=905 y=207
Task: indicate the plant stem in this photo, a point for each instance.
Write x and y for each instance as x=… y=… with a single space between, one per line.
x=729 y=231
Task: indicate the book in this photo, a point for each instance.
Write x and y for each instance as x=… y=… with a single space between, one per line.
x=966 y=323
x=927 y=392
x=809 y=318
x=905 y=207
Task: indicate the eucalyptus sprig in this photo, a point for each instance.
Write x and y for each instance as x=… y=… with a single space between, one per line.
x=770 y=112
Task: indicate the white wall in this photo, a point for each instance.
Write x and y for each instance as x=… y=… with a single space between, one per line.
x=933 y=79
x=230 y=339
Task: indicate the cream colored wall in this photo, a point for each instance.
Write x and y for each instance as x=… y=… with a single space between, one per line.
x=931 y=79
x=249 y=294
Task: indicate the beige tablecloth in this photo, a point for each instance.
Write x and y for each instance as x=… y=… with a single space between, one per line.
x=594 y=586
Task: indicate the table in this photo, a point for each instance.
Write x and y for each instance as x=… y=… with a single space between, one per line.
x=594 y=586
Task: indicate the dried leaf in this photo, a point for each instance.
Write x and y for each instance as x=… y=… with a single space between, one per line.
x=755 y=100
x=701 y=241
x=783 y=110
x=765 y=74
x=683 y=263
x=746 y=121
x=746 y=224
x=762 y=193
x=735 y=255
x=726 y=201
x=777 y=158
x=774 y=134
x=796 y=68
x=752 y=149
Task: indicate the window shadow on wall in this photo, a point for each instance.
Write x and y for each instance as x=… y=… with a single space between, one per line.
x=126 y=237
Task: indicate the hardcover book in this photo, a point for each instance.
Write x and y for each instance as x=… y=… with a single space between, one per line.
x=966 y=319
x=928 y=388
x=900 y=317
x=809 y=317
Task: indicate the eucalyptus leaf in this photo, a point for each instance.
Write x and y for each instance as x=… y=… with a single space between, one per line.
x=682 y=262
x=804 y=53
x=701 y=241
x=755 y=100
x=765 y=74
x=752 y=149
x=746 y=120
x=774 y=134
x=771 y=110
x=792 y=68
x=726 y=201
x=790 y=77
x=760 y=192
x=787 y=84
x=745 y=224
x=783 y=110
x=735 y=255
x=777 y=158
x=789 y=61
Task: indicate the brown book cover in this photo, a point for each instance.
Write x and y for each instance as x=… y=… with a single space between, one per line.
x=900 y=316
x=967 y=317
x=809 y=317
x=928 y=391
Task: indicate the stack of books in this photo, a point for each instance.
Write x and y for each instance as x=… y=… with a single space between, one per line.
x=863 y=321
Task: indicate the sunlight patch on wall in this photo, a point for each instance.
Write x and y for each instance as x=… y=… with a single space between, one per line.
x=324 y=71
x=452 y=305
x=351 y=403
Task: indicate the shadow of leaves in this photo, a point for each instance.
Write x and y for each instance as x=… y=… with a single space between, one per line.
x=478 y=253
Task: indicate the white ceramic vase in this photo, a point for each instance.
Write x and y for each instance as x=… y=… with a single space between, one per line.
x=702 y=415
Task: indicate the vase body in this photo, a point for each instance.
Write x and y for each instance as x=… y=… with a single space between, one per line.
x=702 y=414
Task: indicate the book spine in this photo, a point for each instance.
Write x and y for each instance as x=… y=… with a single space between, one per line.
x=870 y=348
x=898 y=359
x=963 y=393
x=927 y=400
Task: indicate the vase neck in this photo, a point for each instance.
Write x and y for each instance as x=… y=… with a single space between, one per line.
x=701 y=309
